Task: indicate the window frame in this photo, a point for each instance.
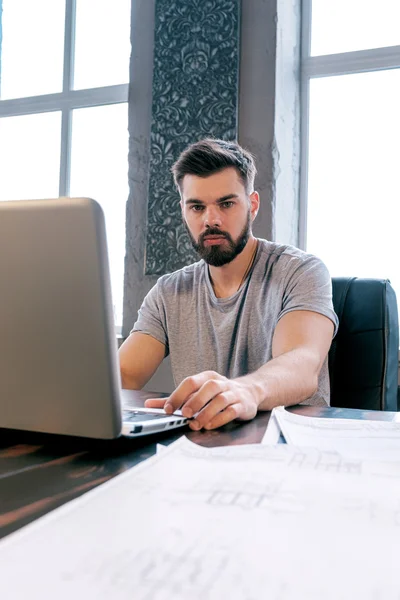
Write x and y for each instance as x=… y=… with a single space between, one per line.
x=66 y=101
x=328 y=65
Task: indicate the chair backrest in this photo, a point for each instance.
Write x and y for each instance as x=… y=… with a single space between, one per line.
x=364 y=356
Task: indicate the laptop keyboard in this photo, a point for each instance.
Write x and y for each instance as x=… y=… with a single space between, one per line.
x=135 y=415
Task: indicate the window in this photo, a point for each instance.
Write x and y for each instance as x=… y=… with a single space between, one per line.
x=350 y=192
x=64 y=72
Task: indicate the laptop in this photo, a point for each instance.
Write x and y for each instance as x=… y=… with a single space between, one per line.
x=59 y=370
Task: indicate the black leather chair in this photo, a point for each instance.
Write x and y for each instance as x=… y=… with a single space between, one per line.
x=364 y=356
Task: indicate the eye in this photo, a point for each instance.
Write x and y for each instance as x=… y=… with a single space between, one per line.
x=197 y=207
x=227 y=204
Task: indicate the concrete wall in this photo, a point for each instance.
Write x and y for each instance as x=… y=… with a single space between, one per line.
x=268 y=126
x=269 y=111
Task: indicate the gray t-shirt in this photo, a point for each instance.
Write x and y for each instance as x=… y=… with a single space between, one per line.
x=233 y=336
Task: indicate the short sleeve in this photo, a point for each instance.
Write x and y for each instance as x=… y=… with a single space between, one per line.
x=308 y=286
x=151 y=318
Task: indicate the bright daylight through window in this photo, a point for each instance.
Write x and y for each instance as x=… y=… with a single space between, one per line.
x=64 y=72
x=351 y=128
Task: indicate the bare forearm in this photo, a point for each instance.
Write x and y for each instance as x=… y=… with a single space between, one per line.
x=285 y=380
x=139 y=357
x=129 y=382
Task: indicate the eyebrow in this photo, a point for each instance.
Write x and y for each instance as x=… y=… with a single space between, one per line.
x=219 y=201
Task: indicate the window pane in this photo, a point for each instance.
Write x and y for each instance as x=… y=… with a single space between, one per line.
x=347 y=25
x=354 y=187
x=99 y=169
x=30 y=156
x=102 y=43
x=32 y=47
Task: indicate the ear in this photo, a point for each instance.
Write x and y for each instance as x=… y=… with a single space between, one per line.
x=254 y=204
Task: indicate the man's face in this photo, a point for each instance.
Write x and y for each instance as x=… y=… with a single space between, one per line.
x=218 y=215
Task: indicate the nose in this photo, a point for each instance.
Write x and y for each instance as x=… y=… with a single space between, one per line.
x=212 y=217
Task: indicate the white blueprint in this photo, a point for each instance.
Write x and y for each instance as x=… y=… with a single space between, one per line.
x=238 y=523
x=353 y=437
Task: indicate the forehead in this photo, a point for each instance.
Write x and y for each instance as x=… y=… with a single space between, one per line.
x=214 y=186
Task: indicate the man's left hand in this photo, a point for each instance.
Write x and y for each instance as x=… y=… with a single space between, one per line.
x=212 y=399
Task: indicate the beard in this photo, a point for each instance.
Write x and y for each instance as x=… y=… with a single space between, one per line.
x=219 y=255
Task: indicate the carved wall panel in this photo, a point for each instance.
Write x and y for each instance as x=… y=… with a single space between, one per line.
x=195 y=95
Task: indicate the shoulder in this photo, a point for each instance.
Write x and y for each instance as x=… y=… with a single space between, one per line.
x=284 y=252
x=181 y=280
x=288 y=260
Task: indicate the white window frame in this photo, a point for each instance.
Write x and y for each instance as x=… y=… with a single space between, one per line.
x=67 y=100
x=329 y=65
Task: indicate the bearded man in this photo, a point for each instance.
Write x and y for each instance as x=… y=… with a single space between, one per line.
x=249 y=326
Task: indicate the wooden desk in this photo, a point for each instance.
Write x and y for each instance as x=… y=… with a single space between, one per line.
x=39 y=472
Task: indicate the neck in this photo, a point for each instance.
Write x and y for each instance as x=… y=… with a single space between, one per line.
x=226 y=280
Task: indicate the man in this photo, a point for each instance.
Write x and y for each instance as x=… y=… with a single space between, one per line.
x=249 y=326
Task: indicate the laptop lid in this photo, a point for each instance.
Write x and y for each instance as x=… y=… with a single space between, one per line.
x=58 y=360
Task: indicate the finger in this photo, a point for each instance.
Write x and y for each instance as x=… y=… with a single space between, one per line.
x=187 y=388
x=155 y=402
x=219 y=403
x=229 y=414
x=205 y=396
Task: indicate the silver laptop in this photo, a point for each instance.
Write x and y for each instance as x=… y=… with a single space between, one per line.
x=59 y=369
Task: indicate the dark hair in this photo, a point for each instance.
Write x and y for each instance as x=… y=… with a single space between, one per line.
x=209 y=156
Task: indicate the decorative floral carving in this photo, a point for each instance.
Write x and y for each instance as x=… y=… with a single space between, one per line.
x=195 y=95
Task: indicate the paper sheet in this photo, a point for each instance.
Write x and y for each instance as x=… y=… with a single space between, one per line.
x=240 y=522
x=160 y=447
x=353 y=437
x=273 y=434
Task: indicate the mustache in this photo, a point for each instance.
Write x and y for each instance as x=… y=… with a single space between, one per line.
x=213 y=231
